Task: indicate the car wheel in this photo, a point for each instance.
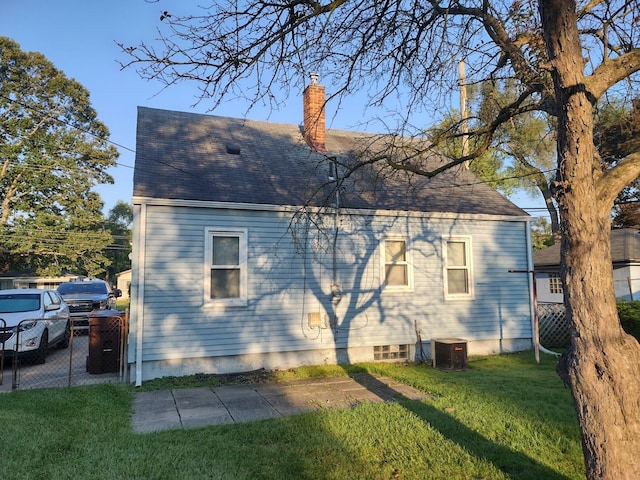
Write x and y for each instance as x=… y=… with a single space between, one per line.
x=41 y=353
x=64 y=343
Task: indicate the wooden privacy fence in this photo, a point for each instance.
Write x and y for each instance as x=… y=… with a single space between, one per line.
x=552 y=325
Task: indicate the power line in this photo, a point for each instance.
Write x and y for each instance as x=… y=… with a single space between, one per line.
x=181 y=170
x=75 y=127
x=52 y=242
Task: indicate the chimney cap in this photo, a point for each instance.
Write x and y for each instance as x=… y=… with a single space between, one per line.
x=314 y=78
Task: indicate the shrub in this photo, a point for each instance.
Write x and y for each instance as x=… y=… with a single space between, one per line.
x=629 y=313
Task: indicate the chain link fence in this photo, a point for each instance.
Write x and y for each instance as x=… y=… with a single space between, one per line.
x=34 y=355
x=97 y=354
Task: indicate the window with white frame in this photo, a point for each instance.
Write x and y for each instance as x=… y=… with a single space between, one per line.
x=226 y=267
x=555 y=283
x=458 y=268
x=396 y=264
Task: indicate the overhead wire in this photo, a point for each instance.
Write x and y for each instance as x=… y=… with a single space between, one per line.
x=186 y=172
x=88 y=240
x=31 y=233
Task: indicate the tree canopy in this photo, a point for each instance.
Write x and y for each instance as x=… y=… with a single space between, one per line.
x=53 y=150
x=119 y=222
x=522 y=154
x=617 y=135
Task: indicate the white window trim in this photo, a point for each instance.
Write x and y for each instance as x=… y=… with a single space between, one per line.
x=242 y=235
x=408 y=261
x=469 y=255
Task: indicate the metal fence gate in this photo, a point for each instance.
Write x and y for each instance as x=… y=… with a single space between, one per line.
x=97 y=354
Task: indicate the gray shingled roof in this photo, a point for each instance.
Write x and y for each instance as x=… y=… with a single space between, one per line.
x=625 y=248
x=187 y=156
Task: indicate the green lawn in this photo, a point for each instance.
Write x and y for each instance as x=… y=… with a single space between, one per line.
x=505 y=417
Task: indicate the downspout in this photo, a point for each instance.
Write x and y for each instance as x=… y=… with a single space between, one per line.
x=532 y=294
x=140 y=275
x=534 y=302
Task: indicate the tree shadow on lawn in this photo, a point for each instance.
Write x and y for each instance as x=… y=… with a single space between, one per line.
x=507 y=460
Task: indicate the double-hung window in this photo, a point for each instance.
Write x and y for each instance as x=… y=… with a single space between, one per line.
x=458 y=271
x=396 y=263
x=226 y=267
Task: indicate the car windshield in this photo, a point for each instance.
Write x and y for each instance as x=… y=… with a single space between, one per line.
x=19 y=302
x=83 y=288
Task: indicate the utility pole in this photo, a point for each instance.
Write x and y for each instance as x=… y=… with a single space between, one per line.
x=463 y=111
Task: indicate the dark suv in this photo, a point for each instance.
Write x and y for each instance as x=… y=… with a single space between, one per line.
x=84 y=295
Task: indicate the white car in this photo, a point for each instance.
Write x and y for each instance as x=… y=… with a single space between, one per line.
x=36 y=319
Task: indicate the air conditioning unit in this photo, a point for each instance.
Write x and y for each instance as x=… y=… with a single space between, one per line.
x=449 y=353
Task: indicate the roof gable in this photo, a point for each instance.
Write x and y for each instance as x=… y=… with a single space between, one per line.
x=210 y=158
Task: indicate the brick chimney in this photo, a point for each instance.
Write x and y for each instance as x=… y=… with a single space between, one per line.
x=314 y=124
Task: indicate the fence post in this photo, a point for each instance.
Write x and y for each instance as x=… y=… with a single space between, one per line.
x=16 y=362
x=4 y=334
x=71 y=336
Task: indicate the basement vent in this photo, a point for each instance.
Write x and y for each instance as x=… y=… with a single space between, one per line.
x=233 y=150
x=391 y=352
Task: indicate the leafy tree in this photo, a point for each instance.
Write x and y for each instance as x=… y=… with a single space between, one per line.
x=627 y=215
x=489 y=167
x=522 y=152
x=402 y=49
x=617 y=134
x=53 y=150
x=528 y=139
x=119 y=222
x=541 y=234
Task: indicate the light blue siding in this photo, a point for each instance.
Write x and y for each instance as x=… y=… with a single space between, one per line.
x=286 y=283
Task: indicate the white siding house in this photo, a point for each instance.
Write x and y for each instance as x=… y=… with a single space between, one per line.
x=625 y=253
x=256 y=246
x=9 y=281
x=123 y=282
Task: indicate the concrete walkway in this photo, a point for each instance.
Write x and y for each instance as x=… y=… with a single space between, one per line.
x=197 y=407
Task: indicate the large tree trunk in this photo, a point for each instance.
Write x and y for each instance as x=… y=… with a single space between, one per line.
x=602 y=365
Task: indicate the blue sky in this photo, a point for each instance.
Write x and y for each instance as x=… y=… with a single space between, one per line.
x=79 y=37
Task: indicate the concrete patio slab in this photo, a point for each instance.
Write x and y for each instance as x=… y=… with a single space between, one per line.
x=197 y=407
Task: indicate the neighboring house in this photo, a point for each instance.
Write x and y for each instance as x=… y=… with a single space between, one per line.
x=16 y=280
x=625 y=253
x=123 y=282
x=256 y=247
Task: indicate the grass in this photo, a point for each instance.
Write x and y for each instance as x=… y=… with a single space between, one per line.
x=504 y=418
x=122 y=305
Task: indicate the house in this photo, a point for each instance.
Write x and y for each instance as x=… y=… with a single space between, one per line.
x=123 y=283
x=29 y=280
x=256 y=246
x=625 y=253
